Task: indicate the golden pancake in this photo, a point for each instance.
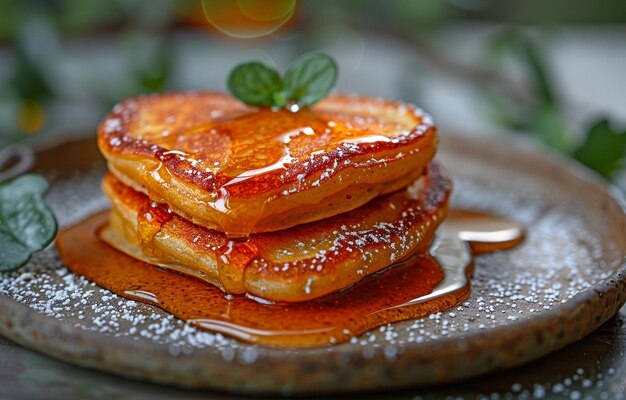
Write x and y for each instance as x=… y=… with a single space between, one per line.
x=297 y=264
x=243 y=170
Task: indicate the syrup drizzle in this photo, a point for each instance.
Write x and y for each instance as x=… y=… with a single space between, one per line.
x=305 y=126
x=276 y=157
x=414 y=288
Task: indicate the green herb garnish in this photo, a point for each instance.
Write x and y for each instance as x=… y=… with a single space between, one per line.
x=305 y=83
x=27 y=225
x=603 y=150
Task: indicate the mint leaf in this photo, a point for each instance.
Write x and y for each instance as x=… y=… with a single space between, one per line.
x=257 y=85
x=603 y=150
x=27 y=225
x=305 y=83
x=310 y=78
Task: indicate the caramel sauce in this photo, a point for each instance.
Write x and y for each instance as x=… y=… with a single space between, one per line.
x=485 y=233
x=150 y=218
x=231 y=264
x=414 y=288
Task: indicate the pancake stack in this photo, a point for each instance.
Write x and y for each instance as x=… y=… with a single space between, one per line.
x=278 y=205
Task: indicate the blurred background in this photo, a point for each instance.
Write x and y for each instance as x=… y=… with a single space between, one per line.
x=549 y=72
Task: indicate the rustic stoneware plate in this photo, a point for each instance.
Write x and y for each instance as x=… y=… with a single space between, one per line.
x=567 y=278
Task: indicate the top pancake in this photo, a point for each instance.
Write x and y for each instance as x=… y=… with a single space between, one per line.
x=243 y=170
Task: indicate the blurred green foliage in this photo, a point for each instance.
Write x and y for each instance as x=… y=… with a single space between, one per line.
x=542 y=113
x=32 y=37
x=603 y=150
x=34 y=33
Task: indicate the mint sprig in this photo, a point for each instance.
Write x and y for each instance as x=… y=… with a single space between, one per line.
x=255 y=84
x=306 y=82
x=27 y=225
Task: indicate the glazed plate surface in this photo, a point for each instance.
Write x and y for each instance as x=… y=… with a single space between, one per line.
x=564 y=281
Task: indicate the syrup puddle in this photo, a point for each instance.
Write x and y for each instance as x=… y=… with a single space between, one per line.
x=415 y=288
x=454 y=258
x=142 y=294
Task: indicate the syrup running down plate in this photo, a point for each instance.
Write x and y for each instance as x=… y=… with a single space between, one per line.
x=565 y=280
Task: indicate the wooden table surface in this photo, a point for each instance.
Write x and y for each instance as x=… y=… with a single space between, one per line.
x=594 y=368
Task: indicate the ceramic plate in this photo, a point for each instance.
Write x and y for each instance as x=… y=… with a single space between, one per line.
x=564 y=281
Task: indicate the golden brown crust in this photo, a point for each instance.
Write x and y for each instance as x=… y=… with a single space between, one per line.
x=297 y=264
x=242 y=170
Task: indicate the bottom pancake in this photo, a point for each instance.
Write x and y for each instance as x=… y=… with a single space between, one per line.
x=296 y=264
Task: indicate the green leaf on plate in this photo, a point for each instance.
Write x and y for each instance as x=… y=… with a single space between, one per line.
x=257 y=85
x=27 y=225
x=310 y=78
x=603 y=150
